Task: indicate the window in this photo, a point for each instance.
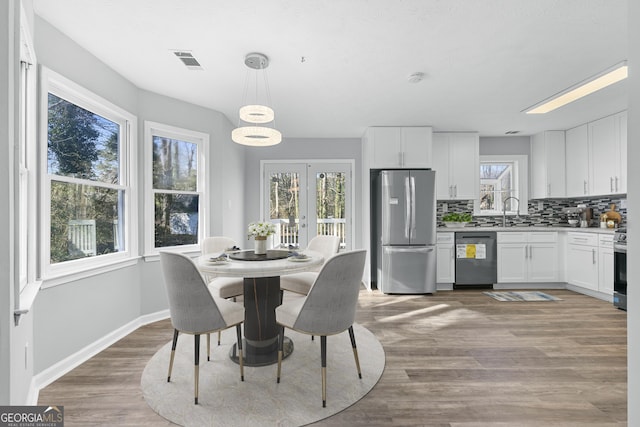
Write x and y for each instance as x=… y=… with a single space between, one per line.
x=176 y=200
x=502 y=185
x=87 y=184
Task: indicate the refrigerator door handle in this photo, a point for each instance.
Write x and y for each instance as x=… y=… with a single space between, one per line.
x=413 y=208
x=407 y=218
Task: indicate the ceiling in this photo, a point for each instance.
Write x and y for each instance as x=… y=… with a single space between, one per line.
x=337 y=67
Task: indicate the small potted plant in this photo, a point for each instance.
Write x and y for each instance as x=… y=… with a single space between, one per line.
x=456 y=219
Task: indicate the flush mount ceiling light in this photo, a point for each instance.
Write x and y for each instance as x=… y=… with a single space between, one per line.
x=256 y=113
x=599 y=81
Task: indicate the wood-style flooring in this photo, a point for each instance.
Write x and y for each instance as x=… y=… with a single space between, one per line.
x=457 y=358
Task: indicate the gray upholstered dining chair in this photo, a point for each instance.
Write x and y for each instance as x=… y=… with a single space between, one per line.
x=300 y=283
x=195 y=310
x=328 y=309
x=224 y=287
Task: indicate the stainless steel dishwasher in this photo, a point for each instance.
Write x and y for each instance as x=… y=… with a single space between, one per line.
x=476 y=259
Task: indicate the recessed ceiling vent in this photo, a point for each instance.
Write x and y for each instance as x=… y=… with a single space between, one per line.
x=188 y=59
x=511 y=132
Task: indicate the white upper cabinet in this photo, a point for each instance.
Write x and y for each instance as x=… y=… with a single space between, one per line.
x=456 y=160
x=399 y=147
x=577 y=161
x=607 y=153
x=548 y=165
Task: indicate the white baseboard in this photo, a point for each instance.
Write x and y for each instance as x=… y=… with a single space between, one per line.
x=56 y=371
x=589 y=292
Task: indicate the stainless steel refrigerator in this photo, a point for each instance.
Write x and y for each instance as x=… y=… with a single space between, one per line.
x=405 y=211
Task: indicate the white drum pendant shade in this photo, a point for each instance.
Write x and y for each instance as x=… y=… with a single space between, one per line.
x=256 y=136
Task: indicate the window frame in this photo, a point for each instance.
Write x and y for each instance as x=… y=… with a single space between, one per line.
x=54 y=274
x=520 y=177
x=201 y=139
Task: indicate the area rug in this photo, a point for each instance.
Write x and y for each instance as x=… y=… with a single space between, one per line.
x=258 y=401
x=522 y=296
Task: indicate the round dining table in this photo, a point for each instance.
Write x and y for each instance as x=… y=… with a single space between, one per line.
x=261 y=274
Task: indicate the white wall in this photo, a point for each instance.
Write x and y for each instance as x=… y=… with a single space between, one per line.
x=8 y=55
x=633 y=209
x=505 y=145
x=300 y=149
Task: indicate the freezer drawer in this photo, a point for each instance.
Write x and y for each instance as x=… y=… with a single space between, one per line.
x=408 y=270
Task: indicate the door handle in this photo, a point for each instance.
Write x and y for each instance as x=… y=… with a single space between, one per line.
x=407 y=206
x=413 y=207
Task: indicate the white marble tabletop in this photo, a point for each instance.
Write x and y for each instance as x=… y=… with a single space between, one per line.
x=280 y=267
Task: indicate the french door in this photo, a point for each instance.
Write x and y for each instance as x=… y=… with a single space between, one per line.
x=308 y=199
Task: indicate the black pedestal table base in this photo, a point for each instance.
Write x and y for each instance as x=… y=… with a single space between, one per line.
x=260 y=346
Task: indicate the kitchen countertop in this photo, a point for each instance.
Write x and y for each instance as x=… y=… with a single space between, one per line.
x=595 y=230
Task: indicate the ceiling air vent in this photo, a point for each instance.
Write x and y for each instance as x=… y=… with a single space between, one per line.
x=511 y=132
x=188 y=59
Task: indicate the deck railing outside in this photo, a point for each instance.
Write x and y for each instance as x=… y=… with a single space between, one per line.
x=287 y=231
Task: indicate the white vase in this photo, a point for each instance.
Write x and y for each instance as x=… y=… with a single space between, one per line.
x=260 y=245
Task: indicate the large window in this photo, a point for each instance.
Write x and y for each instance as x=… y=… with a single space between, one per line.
x=176 y=198
x=503 y=185
x=87 y=185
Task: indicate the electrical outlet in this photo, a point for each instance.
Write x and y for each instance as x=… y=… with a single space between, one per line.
x=623 y=203
x=445 y=208
x=540 y=205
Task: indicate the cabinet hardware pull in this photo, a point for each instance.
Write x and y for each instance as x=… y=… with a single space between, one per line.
x=548 y=189
x=593 y=253
x=455 y=190
x=616 y=184
x=611 y=183
x=585 y=186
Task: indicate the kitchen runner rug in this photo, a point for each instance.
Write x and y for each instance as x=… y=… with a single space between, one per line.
x=258 y=401
x=522 y=296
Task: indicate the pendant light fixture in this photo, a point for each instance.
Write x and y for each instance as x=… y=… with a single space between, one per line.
x=256 y=115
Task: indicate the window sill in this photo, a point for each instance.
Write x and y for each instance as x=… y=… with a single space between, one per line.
x=154 y=257
x=67 y=277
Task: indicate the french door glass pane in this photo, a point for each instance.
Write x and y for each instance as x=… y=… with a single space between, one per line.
x=330 y=204
x=284 y=207
x=84 y=221
x=176 y=219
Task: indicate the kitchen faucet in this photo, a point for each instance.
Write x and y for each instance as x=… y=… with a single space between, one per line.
x=504 y=209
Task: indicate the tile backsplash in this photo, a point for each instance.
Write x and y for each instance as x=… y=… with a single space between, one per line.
x=550 y=215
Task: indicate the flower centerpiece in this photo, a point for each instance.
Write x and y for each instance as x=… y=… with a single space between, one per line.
x=260 y=231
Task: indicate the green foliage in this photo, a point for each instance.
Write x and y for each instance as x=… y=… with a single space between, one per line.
x=457 y=217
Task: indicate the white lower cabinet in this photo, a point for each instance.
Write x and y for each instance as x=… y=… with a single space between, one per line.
x=446 y=267
x=605 y=263
x=590 y=261
x=527 y=257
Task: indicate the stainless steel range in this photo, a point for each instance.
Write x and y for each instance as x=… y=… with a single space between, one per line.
x=620 y=269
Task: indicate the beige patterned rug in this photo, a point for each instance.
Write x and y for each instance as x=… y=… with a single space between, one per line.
x=259 y=401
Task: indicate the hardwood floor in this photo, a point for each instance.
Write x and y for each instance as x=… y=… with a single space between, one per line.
x=458 y=359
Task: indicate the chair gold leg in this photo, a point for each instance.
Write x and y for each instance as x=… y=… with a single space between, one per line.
x=280 y=351
x=239 y=334
x=196 y=373
x=173 y=353
x=208 y=347
x=355 y=351
x=323 y=357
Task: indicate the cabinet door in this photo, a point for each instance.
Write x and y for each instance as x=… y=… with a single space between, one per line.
x=543 y=262
x=464 y=162
x=538 y=170
x=512 y=266
x=445 y=270
x=577 y=161
x=604 y=155
x=554 y=162
x=605 y=258
x=385 y=145
x=416 y=147
x=441 y=166
x=582 y=266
